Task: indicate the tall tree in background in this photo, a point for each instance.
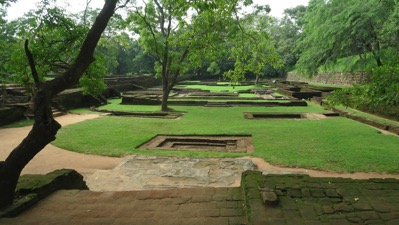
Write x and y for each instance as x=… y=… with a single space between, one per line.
x=124 y=55
x=182 y=34
x=167 y=32
x=366 y=35
x=343 y=28
x=45 y=127
x=287 y=32
x=250 y=45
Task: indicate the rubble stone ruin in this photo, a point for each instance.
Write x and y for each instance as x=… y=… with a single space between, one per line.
x=240 y=144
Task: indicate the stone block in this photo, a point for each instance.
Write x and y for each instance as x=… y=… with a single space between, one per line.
x=362 y=206
x=332 y=193
x=327 y=209
x=307 y=212
x=294 y=193
x=269 y=198
x=287 y=203
x=368 y=215
x=392 y=222
x=343 y=207
x=317 y=192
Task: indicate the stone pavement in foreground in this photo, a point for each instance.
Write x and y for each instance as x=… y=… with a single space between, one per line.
x=261 y=200
x=211 y=206
x=304 y=200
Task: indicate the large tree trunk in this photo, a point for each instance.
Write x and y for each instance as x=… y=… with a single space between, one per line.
x=43 y=132
x=169 y=80
x=257 y=79
x=45 y=127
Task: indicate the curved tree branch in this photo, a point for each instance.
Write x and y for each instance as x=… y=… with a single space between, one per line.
x=31 y=62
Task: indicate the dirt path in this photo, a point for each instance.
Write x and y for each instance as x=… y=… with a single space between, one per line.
x=52 y=158
x=268 y=168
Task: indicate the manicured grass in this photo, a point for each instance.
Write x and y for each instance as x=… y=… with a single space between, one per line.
x=328 y=85
x=247 y=95
x=337 y=144
x=368 y=116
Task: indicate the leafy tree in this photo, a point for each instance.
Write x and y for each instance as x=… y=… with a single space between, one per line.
x=55 y=37
x=5 y=2
x=382 y=92
x=166 y=34
x=287 y=32
x=182 y=34
x=250 y=45
x=6 y=41
x=367 y=32
x=125 y=55
x=45 y=127
x=390 y=30
x=343 y=28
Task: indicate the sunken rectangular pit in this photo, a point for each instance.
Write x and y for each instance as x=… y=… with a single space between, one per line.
x=238 y=144
x=273 y=115
x=308 y=116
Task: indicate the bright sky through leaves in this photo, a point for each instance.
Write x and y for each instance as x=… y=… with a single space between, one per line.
x=18 y=9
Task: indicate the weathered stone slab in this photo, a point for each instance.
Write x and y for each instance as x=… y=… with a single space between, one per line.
x=151 y=172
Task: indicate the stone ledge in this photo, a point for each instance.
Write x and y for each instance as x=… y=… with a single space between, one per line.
x=31 y=188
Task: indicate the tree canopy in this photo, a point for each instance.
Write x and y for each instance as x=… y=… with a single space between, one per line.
x=344 y=28
x=180 y=35
x=55 y=37
x=45 y=127
x=364 y=33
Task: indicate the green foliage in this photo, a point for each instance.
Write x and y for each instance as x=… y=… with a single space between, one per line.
x=354 y=35
x=250 y=46
x=186 y=35
x=6 y=41
x=5 y=2
x=390 y=32
x=383 y=90
x=54 y=39
x=287 y=33
x=341 y=28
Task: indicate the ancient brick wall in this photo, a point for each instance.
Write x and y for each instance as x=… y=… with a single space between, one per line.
x=337 y=78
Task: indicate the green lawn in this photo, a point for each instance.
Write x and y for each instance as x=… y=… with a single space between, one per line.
x=368 y=116
x=337 y=144
x=328 y=85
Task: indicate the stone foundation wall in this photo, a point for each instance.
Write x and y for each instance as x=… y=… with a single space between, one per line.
x=337 y=78
x=130 y=83
x=11 y=114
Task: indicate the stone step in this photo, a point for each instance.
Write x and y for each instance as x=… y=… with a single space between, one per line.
x=174 y=206
x=217 y=104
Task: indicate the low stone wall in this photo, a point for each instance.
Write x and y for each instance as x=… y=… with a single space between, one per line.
x=301 y=199
x=337 y=78
x=391 y=128
x=11 y=114
x=123 y=83
x=32 y=188
x=74 y=98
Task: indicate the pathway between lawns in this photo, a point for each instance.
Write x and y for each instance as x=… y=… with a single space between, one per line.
x=143 y=172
